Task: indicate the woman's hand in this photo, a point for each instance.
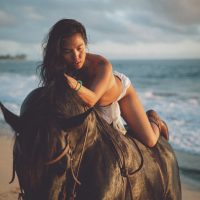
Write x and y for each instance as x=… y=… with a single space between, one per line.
x=88 y=96
x=71 y=81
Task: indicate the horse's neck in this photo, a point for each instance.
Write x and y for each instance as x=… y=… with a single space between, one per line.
x=98 y=160
x=83 y=138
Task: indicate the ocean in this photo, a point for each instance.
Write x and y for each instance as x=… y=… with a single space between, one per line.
x=171 y=87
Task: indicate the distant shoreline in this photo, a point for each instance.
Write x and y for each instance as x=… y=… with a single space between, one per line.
x=10 y=57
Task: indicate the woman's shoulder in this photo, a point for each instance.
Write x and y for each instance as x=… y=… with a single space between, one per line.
x=98 y=61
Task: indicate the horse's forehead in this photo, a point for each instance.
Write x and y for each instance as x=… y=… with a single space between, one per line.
x=32 y=100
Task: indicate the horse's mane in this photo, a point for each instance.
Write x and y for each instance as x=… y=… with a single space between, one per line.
x=41 y=137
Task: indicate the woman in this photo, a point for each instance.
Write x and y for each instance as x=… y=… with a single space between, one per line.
x=91 y=76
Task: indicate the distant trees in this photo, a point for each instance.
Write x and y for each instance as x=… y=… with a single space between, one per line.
x=10 y=57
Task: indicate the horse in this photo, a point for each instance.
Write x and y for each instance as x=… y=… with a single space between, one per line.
x=64 y=150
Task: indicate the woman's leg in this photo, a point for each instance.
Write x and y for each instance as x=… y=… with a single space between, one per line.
x=134 y=115
x=155 y=119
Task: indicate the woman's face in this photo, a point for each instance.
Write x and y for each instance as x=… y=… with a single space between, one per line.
x=74 y=51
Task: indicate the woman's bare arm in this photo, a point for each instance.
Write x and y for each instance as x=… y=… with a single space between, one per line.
x=100 y=84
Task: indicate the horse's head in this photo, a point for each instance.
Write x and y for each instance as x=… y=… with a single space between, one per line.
x=50 y=124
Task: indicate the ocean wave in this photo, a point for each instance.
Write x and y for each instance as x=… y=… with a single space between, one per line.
x=191 y=172
x=172 y=98
x=158 y=94
x=15 y=87
x=169 y=87
x=194 y=101
x=166 y=94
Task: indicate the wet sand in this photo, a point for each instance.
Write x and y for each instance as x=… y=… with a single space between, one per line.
x=190 y=179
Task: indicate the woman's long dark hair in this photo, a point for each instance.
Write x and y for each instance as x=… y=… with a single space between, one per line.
x=53 y=62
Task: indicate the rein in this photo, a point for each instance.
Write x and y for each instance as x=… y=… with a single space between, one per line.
x=75 y=175
x=69 y=123
x=63 y=153
x=118 y=151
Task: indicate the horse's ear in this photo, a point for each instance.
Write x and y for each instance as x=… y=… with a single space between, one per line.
x=13 y=120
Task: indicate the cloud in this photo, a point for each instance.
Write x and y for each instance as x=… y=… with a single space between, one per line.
x=6 y=19
x=124 y=23
x=31 y=13
x=182 y=12
x=183 y=49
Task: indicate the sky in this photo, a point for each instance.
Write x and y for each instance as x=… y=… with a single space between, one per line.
x=117 y=29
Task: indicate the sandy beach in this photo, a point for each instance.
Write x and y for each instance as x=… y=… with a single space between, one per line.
x=7 y=191
x=190 y=180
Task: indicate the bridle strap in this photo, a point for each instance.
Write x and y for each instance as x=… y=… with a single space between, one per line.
x=63 y=153
x=75 y=176
x=75 y=120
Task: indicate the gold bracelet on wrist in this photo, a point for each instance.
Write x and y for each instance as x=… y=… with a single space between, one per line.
x=75 y=88
x=80 y=85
